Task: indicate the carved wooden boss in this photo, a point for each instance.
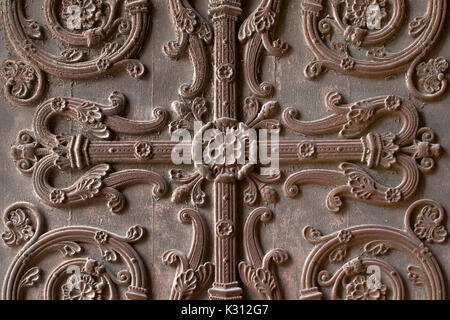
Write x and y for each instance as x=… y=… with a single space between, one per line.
x=85 y=24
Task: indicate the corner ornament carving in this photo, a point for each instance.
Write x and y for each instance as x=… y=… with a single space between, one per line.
x=113 y=38
x=77 y=277
x=331 y=28
x=356 y=278
x=39 y=151
x=256 y=32
x=412 y=150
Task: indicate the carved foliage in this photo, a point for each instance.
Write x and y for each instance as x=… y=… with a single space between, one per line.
x=78 y=25
x=24 y=83
x=192 y=275
x=369 y=276
x=411 y=149
x=259 y=273
x=77 y=278
x=372 y=24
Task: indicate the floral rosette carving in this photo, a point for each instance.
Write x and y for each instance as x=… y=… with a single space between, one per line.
x=370 y=275
x=77 y=277
x=229 y=134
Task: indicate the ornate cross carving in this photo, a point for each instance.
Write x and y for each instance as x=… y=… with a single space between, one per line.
x=38 y=151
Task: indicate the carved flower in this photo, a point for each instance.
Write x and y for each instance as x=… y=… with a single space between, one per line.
x=264 y=19
x=101 y=237
x=143 y=150
x=428 y=225
x=392 y=103
x=19 y=228
x=103 y=64
x=57 y=196
x=378 y=52
x=431 y=74
x=187 y=20
x=365 y=13
x=344 y=236
x=269 y=194
x=82 y=287
x=225 y=73
x=59 y=104
x=306 y=150
x=354 y=35
x=81 y=14
x=347 y=63
x=225 y=228
x=29 y=46
x=393 y=195
x=20 y=76
x=361 y=289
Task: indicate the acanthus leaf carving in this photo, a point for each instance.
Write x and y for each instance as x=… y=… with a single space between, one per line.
x=192 y=275
x=257 y=32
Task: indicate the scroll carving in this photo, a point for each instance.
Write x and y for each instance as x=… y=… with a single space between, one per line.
x=411 y=150
x=192 y=275
x=259 y=274
x=100 y=36
x=370 y=25
x=39 y=151
x=356 y=279
x=81 y=25
x=193 y=32
x=78 y=277
x=257 y=31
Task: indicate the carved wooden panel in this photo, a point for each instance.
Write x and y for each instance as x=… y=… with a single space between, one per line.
x=104 y=198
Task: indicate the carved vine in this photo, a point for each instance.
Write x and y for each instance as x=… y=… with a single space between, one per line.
x=193 y=32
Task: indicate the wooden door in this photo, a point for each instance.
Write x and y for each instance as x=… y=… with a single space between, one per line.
x=105 y=195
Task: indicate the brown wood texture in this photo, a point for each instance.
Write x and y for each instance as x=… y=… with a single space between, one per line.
x=95 y=208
